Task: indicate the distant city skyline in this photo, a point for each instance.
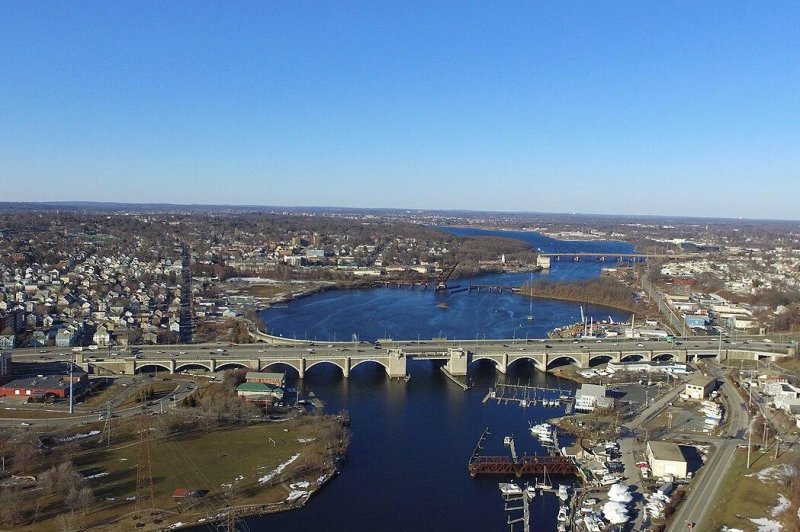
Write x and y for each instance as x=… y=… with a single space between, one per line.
x=676 y=109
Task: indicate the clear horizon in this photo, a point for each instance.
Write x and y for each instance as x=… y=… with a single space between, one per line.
x=686 y=110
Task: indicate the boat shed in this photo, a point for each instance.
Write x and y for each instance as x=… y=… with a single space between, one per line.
x=666 y=458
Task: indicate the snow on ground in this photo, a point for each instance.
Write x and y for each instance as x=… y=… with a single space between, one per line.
x=80 y=436
x=726 y=529
x=278 y=470
x=767 y=525
x=98 y=475
x=782 y=506
x=774 y=473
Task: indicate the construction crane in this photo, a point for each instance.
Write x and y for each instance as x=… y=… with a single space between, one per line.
x=441 y=281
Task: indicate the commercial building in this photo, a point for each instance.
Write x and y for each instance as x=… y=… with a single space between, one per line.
x=699 y=387
x=591 y=396
x=666 y=458
x=259 y=392
x=275 y=379
x=44 y=385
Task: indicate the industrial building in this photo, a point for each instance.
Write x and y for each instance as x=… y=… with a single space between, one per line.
x=666 y=459
x=46 y=385
x=699 y=387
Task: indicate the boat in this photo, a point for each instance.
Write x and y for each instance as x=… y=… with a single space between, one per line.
x=610 y=479
x=545 y=484
x=563 y=492
x=507 y=441
x=509 y=489
x=562 y=514
x=442 y=305
x=530 y=492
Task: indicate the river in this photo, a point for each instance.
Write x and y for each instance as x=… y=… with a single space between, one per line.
x=407 y=464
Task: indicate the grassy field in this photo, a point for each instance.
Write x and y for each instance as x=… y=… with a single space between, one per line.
x=742 y=495
x=200 y=460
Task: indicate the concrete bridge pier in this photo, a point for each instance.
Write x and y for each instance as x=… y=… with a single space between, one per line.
x=346 y=367
x=301 y=367
x=502 y=364
x=458 y=362
x=396 y=369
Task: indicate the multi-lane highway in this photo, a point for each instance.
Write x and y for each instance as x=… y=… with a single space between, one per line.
x=709 y=345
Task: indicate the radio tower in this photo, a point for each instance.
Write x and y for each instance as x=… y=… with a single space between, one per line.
x=145 y=499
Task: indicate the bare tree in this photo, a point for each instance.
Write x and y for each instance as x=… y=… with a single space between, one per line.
x=10 y=513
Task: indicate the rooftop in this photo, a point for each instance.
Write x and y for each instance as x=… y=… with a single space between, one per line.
x=666 y=450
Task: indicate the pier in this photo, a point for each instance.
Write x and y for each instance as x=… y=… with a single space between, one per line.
x=528 y=395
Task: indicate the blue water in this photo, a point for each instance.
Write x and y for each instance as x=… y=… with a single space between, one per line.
x=407 y=465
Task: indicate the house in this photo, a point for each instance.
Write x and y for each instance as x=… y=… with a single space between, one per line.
x=7 y=340
x=101 y=336
x=666 y=458
x=591 y=396
x=699 y=387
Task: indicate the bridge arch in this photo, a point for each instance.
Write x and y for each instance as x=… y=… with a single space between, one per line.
x=563 y=360
x=355 y=364
x=232 y=365
x=664 y=357
x=600 y=359
x=157 y=365
x=318 y=362
x=193 y=365
x=279 y=363
x=496 y=363
x=633 y=357
x=536 y=362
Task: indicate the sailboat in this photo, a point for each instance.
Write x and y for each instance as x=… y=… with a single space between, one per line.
x=545 y=484
x=530 y=311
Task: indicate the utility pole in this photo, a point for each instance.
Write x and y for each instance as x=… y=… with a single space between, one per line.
x=749 y=435
x=71 y=358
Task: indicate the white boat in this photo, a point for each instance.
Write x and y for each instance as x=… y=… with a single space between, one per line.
x=610 y=479
x=530 y=492
x=562 y=514
x=563 y=492
x=507 y=441
x=509 y=489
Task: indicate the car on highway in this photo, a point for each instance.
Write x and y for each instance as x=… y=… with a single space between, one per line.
x=639 y=345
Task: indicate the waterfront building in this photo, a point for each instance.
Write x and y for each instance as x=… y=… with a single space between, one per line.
x=591 y=396
x=275 y=379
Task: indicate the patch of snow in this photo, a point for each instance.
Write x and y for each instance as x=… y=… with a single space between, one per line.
x=767 y=525
x=98 y=475
x=175 y=526
x=296 y=494
x=306 y=440
x=773 y=473
x=782 y=506
x=299 y=485
x=278 y=470
x=80 y=436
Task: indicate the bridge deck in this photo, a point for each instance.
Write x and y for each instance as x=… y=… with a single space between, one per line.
x=526 y=465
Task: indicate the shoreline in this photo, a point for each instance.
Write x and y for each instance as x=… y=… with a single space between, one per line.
x=574 y=300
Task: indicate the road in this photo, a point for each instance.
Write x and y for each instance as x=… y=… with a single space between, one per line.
x=714 y=471
x=183 y=388
x=704 y=345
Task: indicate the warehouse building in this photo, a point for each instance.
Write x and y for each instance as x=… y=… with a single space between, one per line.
x=666 y=459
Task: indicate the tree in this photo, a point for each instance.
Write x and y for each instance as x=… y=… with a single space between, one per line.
x=10 y=513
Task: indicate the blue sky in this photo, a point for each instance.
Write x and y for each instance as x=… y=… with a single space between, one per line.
x=684 y=108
